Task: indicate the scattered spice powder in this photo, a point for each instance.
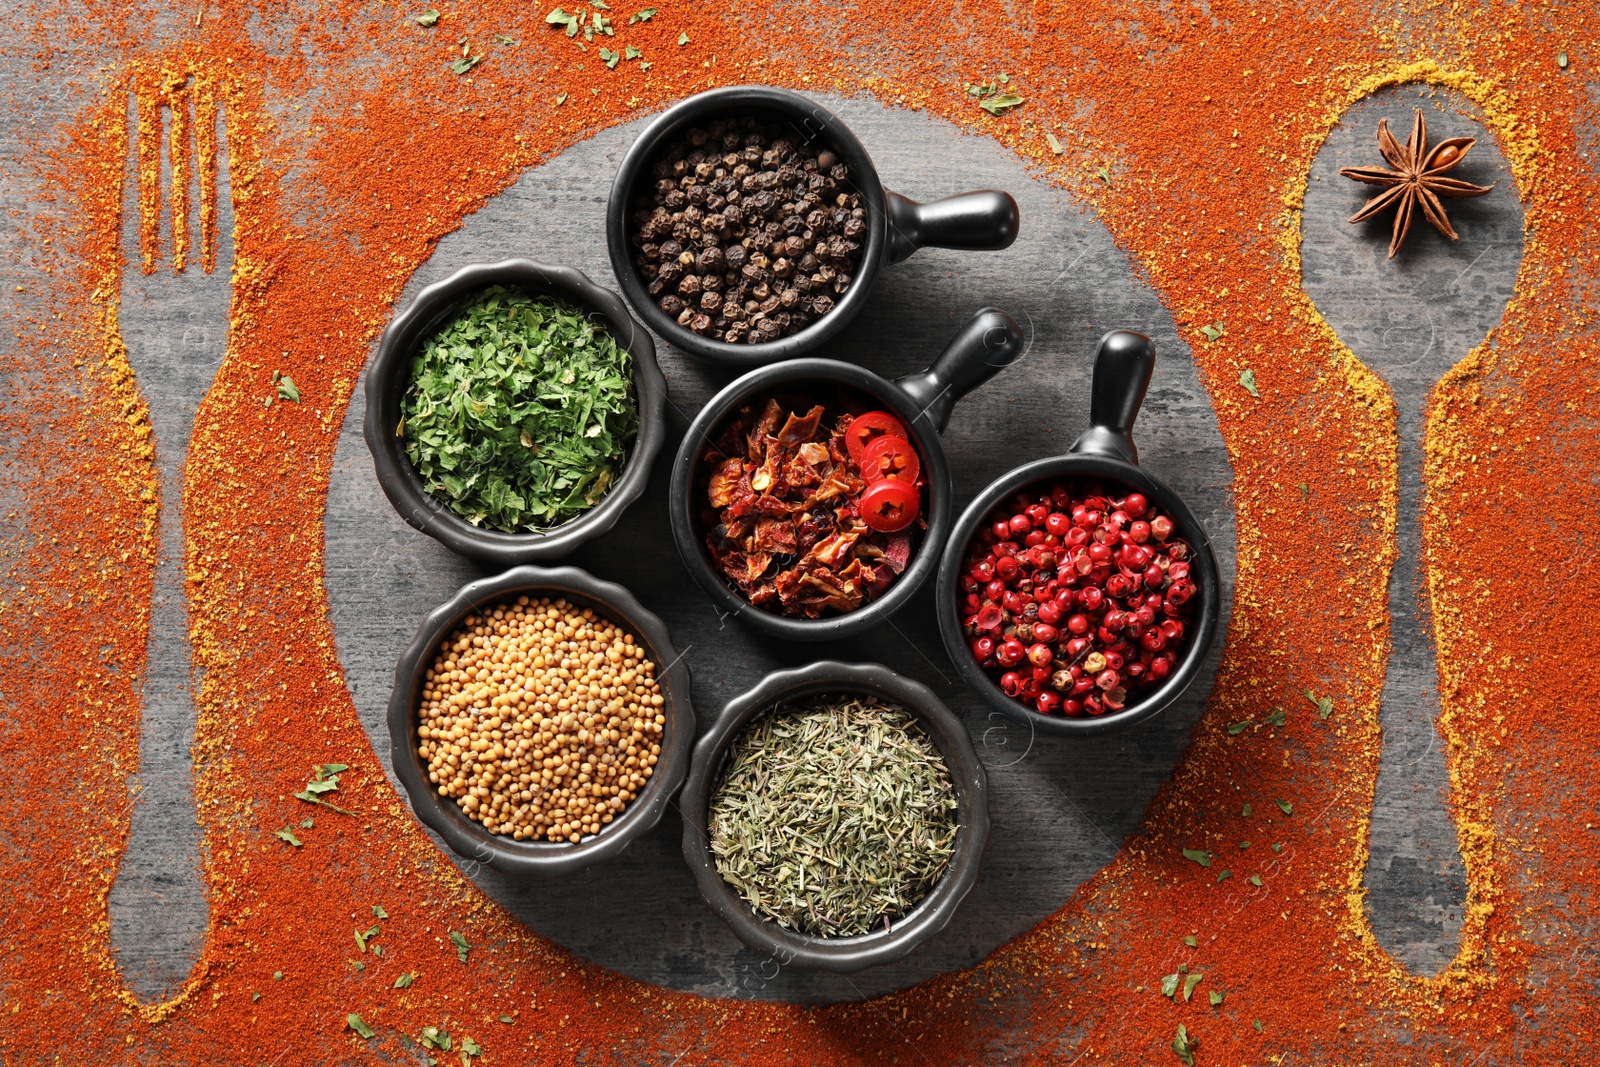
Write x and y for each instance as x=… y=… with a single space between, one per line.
x=1231 y=104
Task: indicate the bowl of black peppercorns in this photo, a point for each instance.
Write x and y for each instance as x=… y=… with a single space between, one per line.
x=747 y=224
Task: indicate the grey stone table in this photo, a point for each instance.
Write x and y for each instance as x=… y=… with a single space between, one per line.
x=1061 y=809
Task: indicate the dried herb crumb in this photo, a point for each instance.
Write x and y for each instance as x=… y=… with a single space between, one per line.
x=459 y=939
x=377 y=910
x=1189 y=983
x=1224 y=875
x=1324 y=705
x=683 y=38
x=1239 y=727
x=1191 y=941
x=1201 y=857
x=1213 y=331
x=404 y=980
x=642 y=16
x=287 y=834
x=360 y=1027
x=1286 y=807
x=1215 y=996
x=1169 y=985
x=1184 y=1046
x=429 y=17
x=1255 y=880
x=1247 y=378
x=1054 y=142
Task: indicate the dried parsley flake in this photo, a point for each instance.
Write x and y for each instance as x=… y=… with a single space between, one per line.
x=834 y=816
x=521 y=411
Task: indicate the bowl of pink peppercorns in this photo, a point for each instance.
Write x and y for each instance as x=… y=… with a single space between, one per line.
x=1078 y=594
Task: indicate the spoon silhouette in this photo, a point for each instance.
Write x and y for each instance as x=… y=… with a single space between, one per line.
x=1410 y=319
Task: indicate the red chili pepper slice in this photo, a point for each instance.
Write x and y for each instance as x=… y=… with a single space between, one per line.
x=890 y=505
x=864 y=429
x=890 y=457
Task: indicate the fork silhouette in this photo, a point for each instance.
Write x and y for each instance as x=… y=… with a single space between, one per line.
x=175 y=324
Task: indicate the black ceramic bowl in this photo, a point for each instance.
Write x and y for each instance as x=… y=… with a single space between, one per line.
x=501 y=851
x=896 y=228
x=922 y=402
x=843 y=955
x=390 y=374
x=1105 y=453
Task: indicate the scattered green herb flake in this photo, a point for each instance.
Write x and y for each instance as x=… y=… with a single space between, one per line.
x=1324 y=705
x=1255 y=880
x=464 y=64
x=521 y=412
x=324 y=779
x=360 y=1027
x=1224 y=875
x=286 y=388
x=1103 y=172
x=429 y=17
x=558 y=17
x=1277 y=846
x=642 y=16
x=1188 y=985
x=1286 y=807
x=378 y=912
x=683 y=38
x=436 y=1037
x=610 y=58
x=507 y=1019
x=1001 y=103
x=470 y=1047
x=1238 y=728
x=1561 y=60
x=1199 y=856
x=1213 y=331
x=1305 y=492
x=287 y=834
x=1247 y=811
x=359 y=965
x=1191 y=941
x=601 y=4
x=377 y=950
x=307 y=823
x=504 y=38
x=277 y=976
x=1277 y=717
x=1184 y=1046
x=631 y=52
x=1215 y=996
x=459 y=939
x=1244 y=844
x=254 y=997
x=1247 y=378
x=1169 y=986
x=1257 y=1024
x=1054 y=142
x=362 y=937
x=561 y=98
x=404 y=981
x=645 y=65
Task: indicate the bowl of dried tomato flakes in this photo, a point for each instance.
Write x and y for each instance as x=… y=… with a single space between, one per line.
x=1078 y=594
x=809 y=498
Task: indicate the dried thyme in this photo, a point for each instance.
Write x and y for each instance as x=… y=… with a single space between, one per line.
x=834 y=816
x=520 y=412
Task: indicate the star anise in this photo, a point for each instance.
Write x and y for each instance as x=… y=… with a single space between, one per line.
x=1417 y=180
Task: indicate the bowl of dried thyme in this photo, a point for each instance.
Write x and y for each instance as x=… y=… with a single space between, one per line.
x=514 y=411
x=835 y=816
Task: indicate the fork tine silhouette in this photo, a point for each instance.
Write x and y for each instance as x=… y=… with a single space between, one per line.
x=175 y=325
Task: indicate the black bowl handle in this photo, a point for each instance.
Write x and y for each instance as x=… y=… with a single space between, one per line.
x=1122 y=367
x=991 y=341
x=978 y=222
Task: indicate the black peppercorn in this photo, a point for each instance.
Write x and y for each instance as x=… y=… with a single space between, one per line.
x=752 y=230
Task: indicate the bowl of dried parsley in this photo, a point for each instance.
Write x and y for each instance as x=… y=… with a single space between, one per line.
x=514 y=411
x=835 y=816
